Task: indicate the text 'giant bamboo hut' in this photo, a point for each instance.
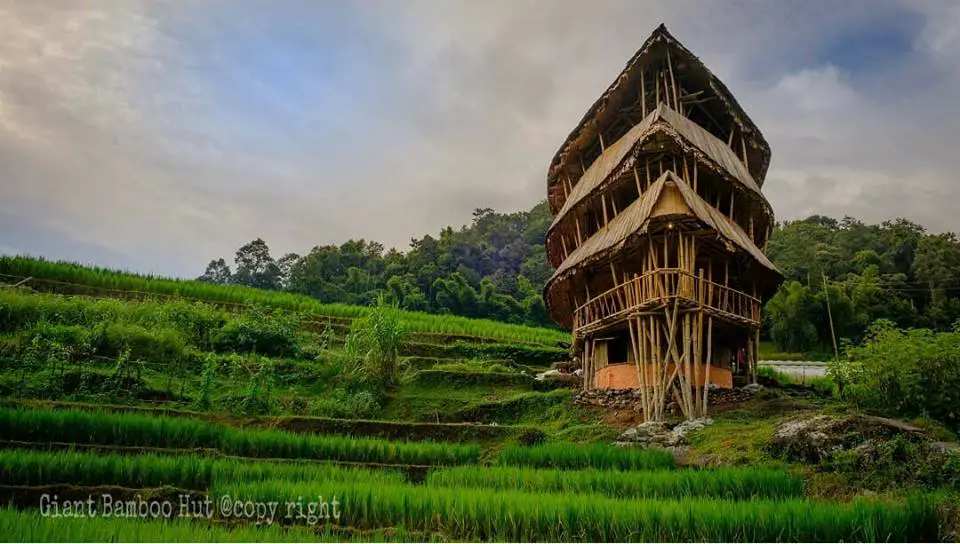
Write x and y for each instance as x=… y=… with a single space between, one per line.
x=658 y=226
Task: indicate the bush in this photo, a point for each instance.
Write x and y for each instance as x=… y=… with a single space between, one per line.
x=914 y=372
x=259 y=331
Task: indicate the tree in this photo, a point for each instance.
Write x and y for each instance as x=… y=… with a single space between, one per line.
x=217 y=272
x=792 y=313
x=285 y=264
x=255 y=266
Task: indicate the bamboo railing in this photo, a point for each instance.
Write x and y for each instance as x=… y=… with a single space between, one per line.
x=664 y=285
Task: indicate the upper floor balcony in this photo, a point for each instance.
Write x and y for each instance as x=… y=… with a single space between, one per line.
x=666 y=286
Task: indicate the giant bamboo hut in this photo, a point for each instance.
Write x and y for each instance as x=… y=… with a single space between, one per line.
x=659 y=232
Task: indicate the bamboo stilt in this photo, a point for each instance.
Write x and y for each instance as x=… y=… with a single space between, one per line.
x=706 y=379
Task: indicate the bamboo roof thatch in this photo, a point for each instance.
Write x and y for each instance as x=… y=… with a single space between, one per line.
x=609 y=104
x=635 y=220
x=618 y=158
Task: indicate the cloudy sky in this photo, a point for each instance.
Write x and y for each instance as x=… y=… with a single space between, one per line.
x=156 y=135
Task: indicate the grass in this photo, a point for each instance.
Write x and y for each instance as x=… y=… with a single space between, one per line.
x=730 y=483
x=29 y=526
x=599 y=456
x=821 y=384
x=770 y=352
x=35 y=468
x=482 y=515
x=78 y=279
x=129 y=429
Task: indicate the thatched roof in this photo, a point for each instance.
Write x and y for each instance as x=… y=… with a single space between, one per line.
x=617 y=158
x=606 y=107
x=636 y=220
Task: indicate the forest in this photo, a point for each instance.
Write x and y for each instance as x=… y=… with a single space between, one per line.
x=844 y=271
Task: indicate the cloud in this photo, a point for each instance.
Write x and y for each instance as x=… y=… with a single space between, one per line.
x=158 y=135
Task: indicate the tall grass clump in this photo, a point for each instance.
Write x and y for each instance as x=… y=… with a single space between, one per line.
x=726 y=483
x=599 y=456
x=482 y=515
x=28 y=467
x=129 y=429
x=377 y=338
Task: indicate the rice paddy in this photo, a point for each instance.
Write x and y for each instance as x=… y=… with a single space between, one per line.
x=726 y=483
x=30 y=527
x=601 y=456
x=480 y=515
x=130 y=429
x=73 y=278
x=478 y=486
x=39 y=468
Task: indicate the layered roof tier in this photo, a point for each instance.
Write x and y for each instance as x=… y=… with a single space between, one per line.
x=688 y=86
x=668 y=202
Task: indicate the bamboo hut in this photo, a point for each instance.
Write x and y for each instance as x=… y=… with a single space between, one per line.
x=659 y=232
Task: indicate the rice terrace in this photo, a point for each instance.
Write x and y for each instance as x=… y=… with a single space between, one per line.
x=648 y=354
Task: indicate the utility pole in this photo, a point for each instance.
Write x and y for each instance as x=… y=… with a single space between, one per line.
x=833 y=335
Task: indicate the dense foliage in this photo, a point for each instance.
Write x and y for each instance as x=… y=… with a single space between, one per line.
x=913 y=372
x=894 y=270
x=495 y=268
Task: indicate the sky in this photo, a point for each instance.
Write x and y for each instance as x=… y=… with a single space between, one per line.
x=154 y=136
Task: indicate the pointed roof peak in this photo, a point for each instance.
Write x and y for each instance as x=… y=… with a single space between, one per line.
x=608 y=103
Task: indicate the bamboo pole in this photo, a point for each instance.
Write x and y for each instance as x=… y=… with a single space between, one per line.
x=643 y=93
x=563 y=241
x=706 y=379
x=673 y=84
x=603 y=202
x=658 y=85
x=636 y=179
x=756 y=352
x=743 y=145
x=579 y=236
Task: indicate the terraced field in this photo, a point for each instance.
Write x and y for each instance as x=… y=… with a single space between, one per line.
x=360 y=487
x=150 y=407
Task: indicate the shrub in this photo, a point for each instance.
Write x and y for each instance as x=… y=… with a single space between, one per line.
x=259 y=331
x=914 y=372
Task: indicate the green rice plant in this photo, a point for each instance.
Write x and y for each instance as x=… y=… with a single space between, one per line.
x=29 y=526
x=725 y=483
x=483 y=514
x=28 y=467
x=600 y=456
x=132 y=429
x=73 y=278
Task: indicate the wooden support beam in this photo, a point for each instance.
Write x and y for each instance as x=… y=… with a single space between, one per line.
x=603 y=202
x=643 y=93
x=743 y=145
x=673 y=83
x=706 y=378
x=658 y=85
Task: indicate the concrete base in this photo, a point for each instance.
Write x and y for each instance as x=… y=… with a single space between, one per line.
x=624 y=376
